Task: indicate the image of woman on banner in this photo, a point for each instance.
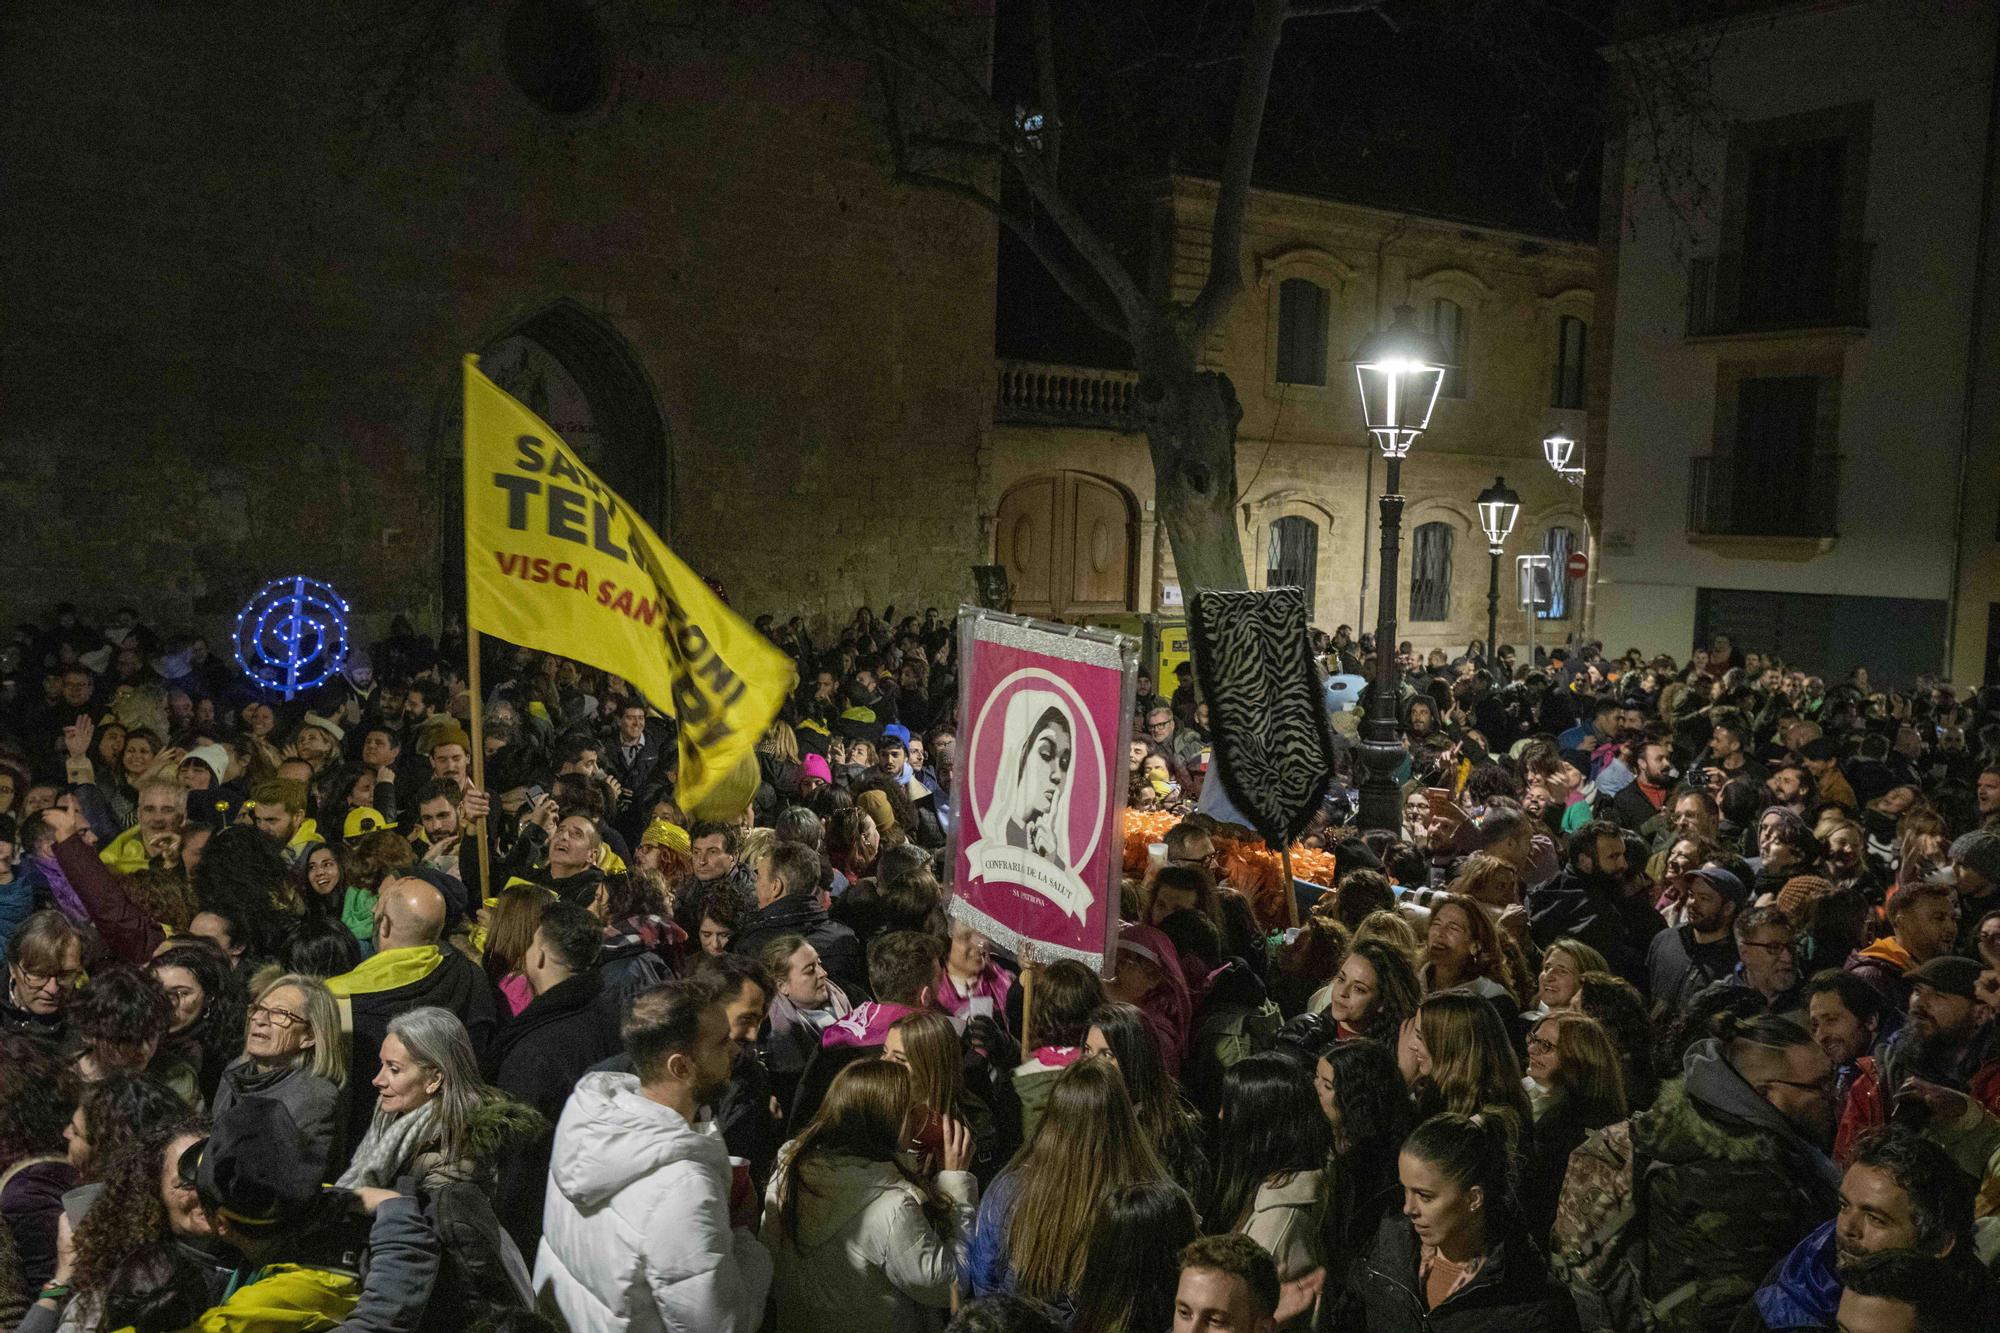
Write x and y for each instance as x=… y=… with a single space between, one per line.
x=1032 y=788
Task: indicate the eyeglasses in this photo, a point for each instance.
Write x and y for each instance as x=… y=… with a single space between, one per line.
x=282 y=1019
x=37 y=980
x=1823 y=1086
x=1784 y=947
x=1538 y=1046
x=1209 y=862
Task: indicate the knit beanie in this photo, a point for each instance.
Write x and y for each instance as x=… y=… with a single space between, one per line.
x=1800 y=890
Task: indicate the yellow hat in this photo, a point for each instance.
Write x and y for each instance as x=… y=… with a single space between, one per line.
x=363 y=819
x=660 y=833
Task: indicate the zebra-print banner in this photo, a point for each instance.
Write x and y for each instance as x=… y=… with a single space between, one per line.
x=1267 y=720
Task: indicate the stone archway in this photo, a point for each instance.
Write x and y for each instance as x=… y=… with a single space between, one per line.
x=578 y=373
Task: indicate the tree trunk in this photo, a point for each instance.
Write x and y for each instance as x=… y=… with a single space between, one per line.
x=1191 y=417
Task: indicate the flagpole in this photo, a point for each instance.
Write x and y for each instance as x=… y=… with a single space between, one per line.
x=477 y=718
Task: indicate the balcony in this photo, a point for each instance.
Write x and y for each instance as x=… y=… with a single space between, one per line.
x=1764 y=507
x=1733 y=294
x=1034 y=394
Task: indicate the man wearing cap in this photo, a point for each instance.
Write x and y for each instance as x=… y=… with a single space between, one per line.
x=1822 y=759
x=302 y=1249
x=451 y=757
x=1682 y=962
x=1923 y=922
x=1944 y=1038
x=895 y=762
x=1975 y=869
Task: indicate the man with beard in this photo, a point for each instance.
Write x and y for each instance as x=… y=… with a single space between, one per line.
x=1682 y=962
x=1588 y=902
x=1768 y=949
x=1945 y=1040
x=1844 y=1015
x=1923 y=921
x=1639 y=801
x=644 y=1226
x=1902 y=1193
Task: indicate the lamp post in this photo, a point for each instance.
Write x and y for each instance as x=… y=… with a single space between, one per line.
x=1561 y=452
x=1400 y=370
x=1499 y=506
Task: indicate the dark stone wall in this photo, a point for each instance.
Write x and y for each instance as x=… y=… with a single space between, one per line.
x=236 y=283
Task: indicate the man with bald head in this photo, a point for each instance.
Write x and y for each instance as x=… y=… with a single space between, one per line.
x=410 y=967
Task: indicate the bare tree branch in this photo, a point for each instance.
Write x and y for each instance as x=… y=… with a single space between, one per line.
x=1307 y=9
x=1047 y=97
x=1225 y=248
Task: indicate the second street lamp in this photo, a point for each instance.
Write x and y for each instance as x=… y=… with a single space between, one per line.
x=1400 y=370
x=1499 y=507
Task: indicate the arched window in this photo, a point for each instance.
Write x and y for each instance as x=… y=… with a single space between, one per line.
x=1301 y=332
x=1562 y=592
x=1448 y=327
x=1430 y=572
x=1294 y=557
x=1572 y=346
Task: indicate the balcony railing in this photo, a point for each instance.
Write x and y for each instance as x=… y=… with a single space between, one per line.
x=1042 y=395
x=1749 y=496
x=1737 y=293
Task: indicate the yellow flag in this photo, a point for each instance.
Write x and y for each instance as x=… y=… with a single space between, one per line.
x=554 y=560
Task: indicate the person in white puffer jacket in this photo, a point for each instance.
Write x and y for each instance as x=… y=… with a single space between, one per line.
x=640 y=1230
x=863 y=1240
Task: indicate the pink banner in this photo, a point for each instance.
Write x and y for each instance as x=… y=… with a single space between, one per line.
x=1043 y=716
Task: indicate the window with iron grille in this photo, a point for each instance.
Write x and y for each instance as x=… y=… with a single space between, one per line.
x=1572 y=344
x=1301 y=332
x=1557 y=547
x=1294 y=557
x=1448 y=327
x=1430 y=572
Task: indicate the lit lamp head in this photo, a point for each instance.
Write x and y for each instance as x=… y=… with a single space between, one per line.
x=1400 y=370
x=1499 y=506
x=1561 y=451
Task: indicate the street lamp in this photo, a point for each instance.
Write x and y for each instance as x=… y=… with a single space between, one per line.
x=1561 y=452
x=1499 y=506
x=1400 y=370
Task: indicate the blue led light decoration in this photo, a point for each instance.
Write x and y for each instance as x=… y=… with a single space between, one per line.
x=292 y=634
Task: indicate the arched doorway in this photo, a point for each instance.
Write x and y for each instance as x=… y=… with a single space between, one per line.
x=577 y=373
x=1068 y=541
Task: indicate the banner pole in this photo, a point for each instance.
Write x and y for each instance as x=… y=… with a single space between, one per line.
x=1291 y=886
x=477 y=717
x=1027 y=1002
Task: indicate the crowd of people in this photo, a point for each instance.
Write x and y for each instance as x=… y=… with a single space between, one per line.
x=1670 y=1005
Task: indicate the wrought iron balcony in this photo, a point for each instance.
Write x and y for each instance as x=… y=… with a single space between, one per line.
x=1032 y=393
x=1735 y=292
x=1751 y=496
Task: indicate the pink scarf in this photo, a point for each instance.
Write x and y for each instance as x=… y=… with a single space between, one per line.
x=865 y=1025
x=995 y=983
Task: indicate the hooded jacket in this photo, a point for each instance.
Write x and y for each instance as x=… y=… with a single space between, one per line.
x=1883 y=965
x=636 y=1231
x=865 y=1260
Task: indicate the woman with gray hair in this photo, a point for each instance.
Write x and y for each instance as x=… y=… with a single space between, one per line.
x=435 y=1123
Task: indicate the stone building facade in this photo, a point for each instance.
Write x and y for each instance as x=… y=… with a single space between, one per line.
x=244 y=255
x=1069 y=480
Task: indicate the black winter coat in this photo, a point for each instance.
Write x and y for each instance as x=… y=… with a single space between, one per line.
x=1511 y=1292
x=838 y=947
x=456 y=983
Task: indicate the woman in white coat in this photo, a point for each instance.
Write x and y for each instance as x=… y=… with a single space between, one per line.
x=862 y=1237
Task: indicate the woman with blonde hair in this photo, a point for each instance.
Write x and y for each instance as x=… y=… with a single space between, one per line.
x=295 y=1054
x=435 y=1121
x=1574 y=1062
x=1393 y=930
x=1456 y=1057
x=859 y=1238
x=1033 y=1233
x=1563 y=968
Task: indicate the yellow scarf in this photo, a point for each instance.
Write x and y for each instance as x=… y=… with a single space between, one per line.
x=388 y=970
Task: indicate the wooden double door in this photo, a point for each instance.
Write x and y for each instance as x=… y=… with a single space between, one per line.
x=1068 y=541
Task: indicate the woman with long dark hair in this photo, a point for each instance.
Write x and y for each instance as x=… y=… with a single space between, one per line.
x=859 y=1238
x=1120 y=1033
x=1034 y=1226
x=1457 y=1258
x=205 y=1025
x=1369 y=1113
x=133 y=1266
x=1374 y=993
x=1130 y=1273
x=1271 y=1144
x=35 y=1105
